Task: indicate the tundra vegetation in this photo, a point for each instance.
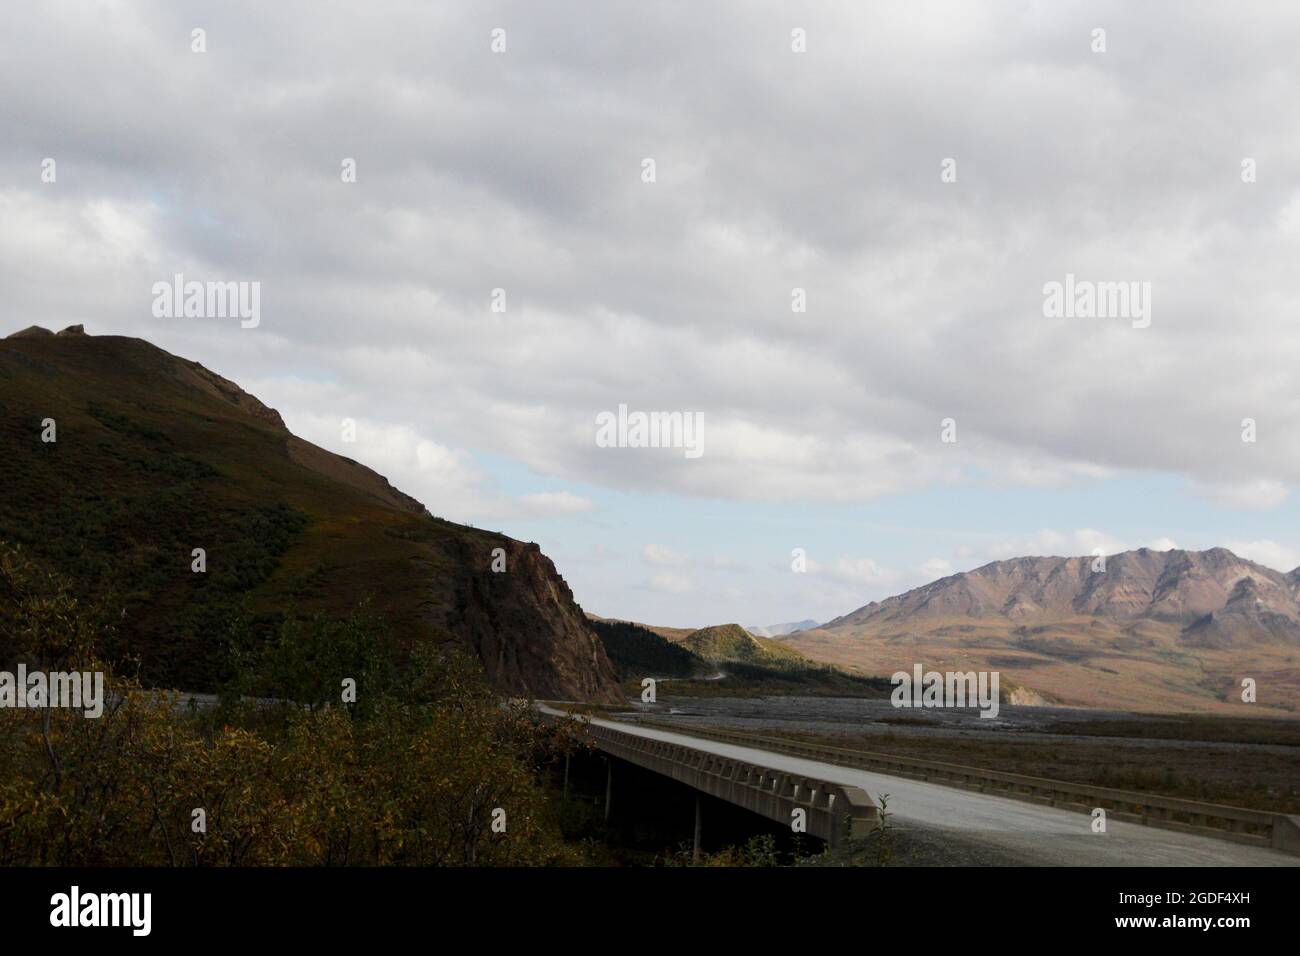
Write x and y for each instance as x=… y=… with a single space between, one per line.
x=409 y=775
x=725 y=660
x=283 y=771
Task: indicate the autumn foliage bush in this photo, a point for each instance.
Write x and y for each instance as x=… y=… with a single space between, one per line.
x=413 y=774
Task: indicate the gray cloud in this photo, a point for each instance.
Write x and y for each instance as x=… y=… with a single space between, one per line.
x=775 y=170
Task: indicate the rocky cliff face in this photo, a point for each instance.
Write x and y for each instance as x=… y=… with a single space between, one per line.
x=524 y=625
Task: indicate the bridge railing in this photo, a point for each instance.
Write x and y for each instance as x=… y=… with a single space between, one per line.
x=1239 y=824
x=833 y=812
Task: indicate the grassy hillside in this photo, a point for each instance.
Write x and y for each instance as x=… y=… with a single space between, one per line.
x=637 y=652
x=749 y=665
x=732 y=643
x=155 y=456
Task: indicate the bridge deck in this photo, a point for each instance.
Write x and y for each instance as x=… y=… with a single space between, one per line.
x=830 y=811
x=1032 y=833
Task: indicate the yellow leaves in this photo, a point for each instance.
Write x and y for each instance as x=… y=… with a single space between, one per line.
x=412 y=780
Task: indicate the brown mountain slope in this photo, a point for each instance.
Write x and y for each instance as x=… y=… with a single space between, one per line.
x=1174 y=586
x=1171 y=630
x=155 y=455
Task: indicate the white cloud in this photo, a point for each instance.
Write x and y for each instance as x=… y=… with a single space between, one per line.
x=934 y=569
x=1089 y=540
x=920 y=296
x=672 y=582
x=864 y=571
x=1049 y=542
x=522 y=172
x=545 y=504
x=663 y=555
x=445 y=480
x=1258 y=494
x=1279 y=557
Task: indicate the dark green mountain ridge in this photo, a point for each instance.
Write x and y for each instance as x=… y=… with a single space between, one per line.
x=155 y=456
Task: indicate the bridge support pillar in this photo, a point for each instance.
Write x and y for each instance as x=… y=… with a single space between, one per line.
x=609 y=784
x=566 y=778
x=699 y=829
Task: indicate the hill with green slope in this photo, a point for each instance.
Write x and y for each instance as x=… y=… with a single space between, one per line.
x=119 y=460
x=638 y=652
x=731 y=642
x=723 y=660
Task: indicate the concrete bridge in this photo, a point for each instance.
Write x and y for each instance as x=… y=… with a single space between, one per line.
x=1034 y=821
x=830 y=811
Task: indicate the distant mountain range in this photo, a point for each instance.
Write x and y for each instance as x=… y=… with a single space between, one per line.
x=1214 y=596
x=155 y=455
x=1153 y=630
x=780 y=630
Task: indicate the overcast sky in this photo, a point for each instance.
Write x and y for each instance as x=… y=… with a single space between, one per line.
x=774 y=170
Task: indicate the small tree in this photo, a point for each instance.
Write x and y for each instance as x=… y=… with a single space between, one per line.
x=884 y=852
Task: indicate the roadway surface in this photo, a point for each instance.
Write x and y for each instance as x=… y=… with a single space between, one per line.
x=1025 y=833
